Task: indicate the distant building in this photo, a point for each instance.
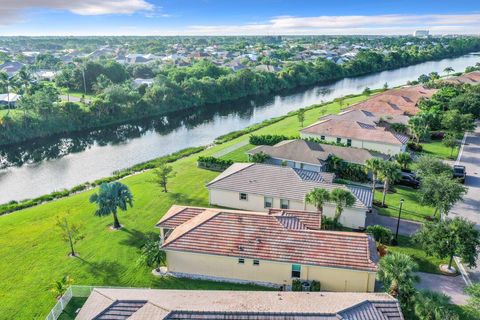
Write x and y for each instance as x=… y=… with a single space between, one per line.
x=421 y=33
x=11 y=67
x=9 y=99
x=139 y=81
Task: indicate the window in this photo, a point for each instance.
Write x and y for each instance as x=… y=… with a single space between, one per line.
x=241 y=260
x=339 y=140
x=256 y=262
x=284 y=204
x=243 y=196
x=268 y=202
x=349 y=142
x=322 y=137
x=296 y=270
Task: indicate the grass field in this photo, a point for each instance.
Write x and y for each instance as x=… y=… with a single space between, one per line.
x=411 y=209
x=439 y=150
x=33 y=254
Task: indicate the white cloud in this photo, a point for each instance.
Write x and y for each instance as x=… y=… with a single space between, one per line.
x=380 y=24
x=11 y=10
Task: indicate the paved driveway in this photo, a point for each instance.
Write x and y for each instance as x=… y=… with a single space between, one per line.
x=451 y=286
x=406 y=228
x=470 y=206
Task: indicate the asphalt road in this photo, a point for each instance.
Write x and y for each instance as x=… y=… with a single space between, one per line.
x=469 y=208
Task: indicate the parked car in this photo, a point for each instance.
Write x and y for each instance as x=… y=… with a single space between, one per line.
x=409 y=180
x=460 y=173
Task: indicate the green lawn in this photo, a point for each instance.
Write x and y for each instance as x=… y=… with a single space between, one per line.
x=425 y=263
x=33 y=255
x=439 y=150
x=238 y=155
x=411 y=209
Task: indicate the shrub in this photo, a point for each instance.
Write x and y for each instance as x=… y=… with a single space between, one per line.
x=315 y=286
x=296 y=285
x=213 y=163
x=268 y=139
x=330 y=224
x=414 y=146
x=437 y=135
x=399 y=127
x=380 y=234
x=260 y=157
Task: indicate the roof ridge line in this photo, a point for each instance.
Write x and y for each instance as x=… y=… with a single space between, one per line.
x=215 y=181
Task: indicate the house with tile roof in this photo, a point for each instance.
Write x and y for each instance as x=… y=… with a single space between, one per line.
x=269 y=248
x=160 y=304
x=360 y=129
x=312 y=156
x=260 y=187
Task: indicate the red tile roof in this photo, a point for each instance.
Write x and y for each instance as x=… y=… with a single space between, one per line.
x=258 y=235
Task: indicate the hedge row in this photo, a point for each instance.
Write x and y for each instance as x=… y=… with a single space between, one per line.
x=214 y=163
x=15 y=205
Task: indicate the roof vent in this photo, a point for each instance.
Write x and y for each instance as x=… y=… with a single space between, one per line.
x=241 y=248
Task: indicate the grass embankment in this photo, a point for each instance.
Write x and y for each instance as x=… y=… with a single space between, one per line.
x=439 y=150
x=411 y=209
x=33 y=254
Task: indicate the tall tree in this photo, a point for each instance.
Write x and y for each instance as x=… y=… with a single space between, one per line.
x=441 y=192
x=301 y=116
x=390 y=173
x=111 y=197
x=397 y=272
x=163 y=173
x=373 y=166
x=450 y=237
x=342 y=199
x=70 y=233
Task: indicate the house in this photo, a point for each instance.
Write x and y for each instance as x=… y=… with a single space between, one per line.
x=48 y=75
x=139 y=81
x=360 y=129
x=260 y=187
x=401 y=101
x=9 y=99
x=267 y=68
x=140 y=58
x=158 y=304
x=267 y=248
x=11 y=67
x=309 y=155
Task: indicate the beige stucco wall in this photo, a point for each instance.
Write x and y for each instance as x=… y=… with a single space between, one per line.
x=278 y=273
x=351 y=217
x=390 y=149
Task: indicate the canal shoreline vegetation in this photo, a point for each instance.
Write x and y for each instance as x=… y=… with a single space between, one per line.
x=41 y=113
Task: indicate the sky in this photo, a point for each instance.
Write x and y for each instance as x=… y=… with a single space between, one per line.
x=237 y=17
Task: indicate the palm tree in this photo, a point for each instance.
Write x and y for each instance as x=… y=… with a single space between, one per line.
x=448 y=70
x=396 y=271
x=373 y=165
x=418 y=126
x=403 y=159
x=390 y=173
x=25 y=79
x=111 y=197
x=334 y=162
x=342 y=198
x=318 y=197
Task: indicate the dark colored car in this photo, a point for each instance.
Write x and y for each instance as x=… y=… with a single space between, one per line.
x=460 y=173
x=409 y=180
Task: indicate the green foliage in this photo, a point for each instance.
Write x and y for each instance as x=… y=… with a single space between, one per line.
x=111 y=197
x=419 y=127
x=427 y=166
x=151 y=254
x=403 y=159
x=301 y=116
x=331 y=224
x=457 y=122
x=267 y=139
x=450 y=237
x=390 y=173
x=317 y=197
x=431 y=305
x=342 y=199
x=70 y=233
x=380 y=234
x=450 y=141
x=296 y=285
x=473 y=292
x=214 y=163
x=373 y=166
x=441 y=191
x=259 y=157
x=60 y=286
x=315 y=286
x=346 y=170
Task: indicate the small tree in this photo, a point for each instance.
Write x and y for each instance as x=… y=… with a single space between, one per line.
x=301 y=116
x=441 y=192
x=450 y=141
x=448 y=70
x=60 y=286
x=318 y=197
x=152 y=255
x=397 y=272
x=162 y=174
x=260 y=157
x=403 y=159
x=342 y=198
x=427 y=165
x=111 y=197
x=389 y=173
x=385 y=86
x=457 y=122
x=380 y=233
x=433 y=306
x=367 y=91
x=449 y=238
x=70 y=233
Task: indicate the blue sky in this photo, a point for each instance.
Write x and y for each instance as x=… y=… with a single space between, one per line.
x=214 y=17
